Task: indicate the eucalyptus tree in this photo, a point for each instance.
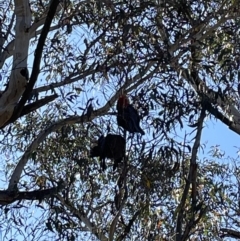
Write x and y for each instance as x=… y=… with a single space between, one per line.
x=64 y=65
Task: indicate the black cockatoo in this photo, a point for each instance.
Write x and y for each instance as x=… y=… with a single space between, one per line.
x=127 y=116
x=112 y=146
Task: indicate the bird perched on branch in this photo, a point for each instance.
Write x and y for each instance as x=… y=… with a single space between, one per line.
x=112 y=146
x=127 y=116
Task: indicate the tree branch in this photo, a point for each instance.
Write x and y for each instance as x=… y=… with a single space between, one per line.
x=230 y=233
x=31 y=107
x=128 y=227
x=7 y=197
x=37 y=104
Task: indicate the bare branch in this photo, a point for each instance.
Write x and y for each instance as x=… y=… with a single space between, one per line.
x=37 y=104
x=229 y=233
x=31 y=107
x=7 y=197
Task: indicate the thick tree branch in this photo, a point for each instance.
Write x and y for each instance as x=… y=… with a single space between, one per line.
x=192 y=223
x=8 y=52
x=4 y=38
x=192 y=176
x=31 y=107
x=7 y=197
x=229 y=233
x=115 y=220
x=37 y=104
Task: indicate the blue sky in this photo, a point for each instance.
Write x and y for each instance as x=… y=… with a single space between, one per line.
x=217 y=133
